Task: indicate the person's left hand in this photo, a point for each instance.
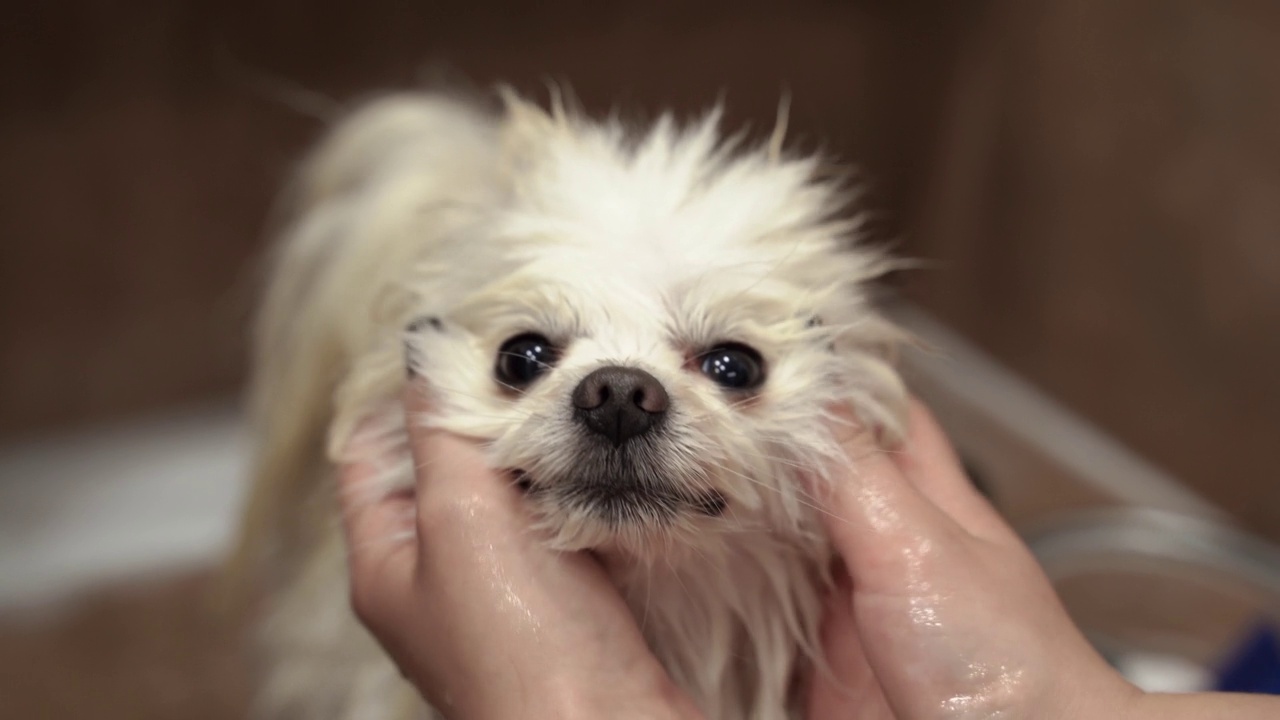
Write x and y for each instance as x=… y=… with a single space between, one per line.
x=477 y=612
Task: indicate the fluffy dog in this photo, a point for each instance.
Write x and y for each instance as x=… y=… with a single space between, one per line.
x=653 y=328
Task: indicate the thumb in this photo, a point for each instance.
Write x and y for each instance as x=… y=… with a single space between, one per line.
x=879 y=521
x=847 y=687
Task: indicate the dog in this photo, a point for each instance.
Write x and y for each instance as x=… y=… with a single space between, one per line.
x=655 y=328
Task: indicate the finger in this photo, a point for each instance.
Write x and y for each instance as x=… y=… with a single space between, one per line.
x=878 y=520
x=372 y=510
x=887 y=532
x=846 y=687
x=378 y=526
x=928 y=460
x=451 y=469
x=370 y=515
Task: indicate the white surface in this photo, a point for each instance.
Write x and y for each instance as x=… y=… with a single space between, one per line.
x=1160 y=673
x=82 y=509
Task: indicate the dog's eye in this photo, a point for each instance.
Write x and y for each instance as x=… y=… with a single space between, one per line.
x=734 y=366
x=523 y=358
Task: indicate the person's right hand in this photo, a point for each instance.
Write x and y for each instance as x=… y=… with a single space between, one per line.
x=945 y=613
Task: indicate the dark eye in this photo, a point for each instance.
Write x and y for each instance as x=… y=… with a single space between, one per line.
x=524 y=358
x=734 y=366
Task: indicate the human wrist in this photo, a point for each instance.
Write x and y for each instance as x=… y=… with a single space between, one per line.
x=1092 y=693
x=1165 y=706
x=1105 y=697
x=652 y=696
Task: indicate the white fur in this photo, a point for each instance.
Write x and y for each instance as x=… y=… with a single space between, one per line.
x=634 y=248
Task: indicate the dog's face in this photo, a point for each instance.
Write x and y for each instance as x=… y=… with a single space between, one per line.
x=653 y=337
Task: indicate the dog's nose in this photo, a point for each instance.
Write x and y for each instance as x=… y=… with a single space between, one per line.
x=620 y=402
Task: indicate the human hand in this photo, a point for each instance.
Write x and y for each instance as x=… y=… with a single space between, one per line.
x=945 y=612
x=480 y=616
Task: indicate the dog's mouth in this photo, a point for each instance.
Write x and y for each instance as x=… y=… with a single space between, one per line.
x=648 y=482
x=618 y=501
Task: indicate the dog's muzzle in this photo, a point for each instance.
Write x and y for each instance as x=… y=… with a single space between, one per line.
x=620 y=403
x=621 y=475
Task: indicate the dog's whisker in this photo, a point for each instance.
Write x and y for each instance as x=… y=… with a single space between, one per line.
x=804 y=498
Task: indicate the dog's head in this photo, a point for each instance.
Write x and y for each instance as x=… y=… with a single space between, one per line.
x=653 y=330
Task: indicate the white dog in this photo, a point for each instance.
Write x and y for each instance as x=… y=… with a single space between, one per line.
x=652 y=328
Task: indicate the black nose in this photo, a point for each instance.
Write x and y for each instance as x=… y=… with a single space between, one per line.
x=620 y=402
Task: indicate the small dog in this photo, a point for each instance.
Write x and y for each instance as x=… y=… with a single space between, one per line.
x=655 y=330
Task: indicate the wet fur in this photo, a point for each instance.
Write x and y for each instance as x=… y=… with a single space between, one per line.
x=633 y=246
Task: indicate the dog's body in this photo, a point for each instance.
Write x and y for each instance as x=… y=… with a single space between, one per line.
x=653 y=328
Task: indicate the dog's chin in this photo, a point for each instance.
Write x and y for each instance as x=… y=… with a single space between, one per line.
x=626 y=522
x=596 y=495
x=621 y=502
x=604 y=512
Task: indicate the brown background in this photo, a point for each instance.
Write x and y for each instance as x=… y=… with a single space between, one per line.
x=143 y=142
x=1105 y=208
x=1097 y=183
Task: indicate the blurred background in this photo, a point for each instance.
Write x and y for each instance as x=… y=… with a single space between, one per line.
x=1095 y=185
